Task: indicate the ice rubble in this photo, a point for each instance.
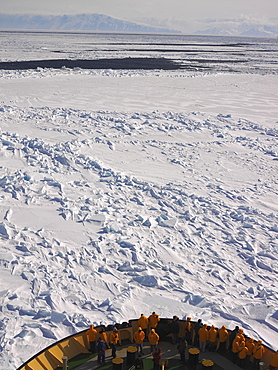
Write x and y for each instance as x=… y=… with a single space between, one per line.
x=79 y=223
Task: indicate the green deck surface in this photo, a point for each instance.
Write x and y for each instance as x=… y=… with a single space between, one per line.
x=173 y=364
x=169 y=353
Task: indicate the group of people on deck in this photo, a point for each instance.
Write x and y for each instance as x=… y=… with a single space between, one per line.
x=100 y=343
x=241 y=348
x=148 y=323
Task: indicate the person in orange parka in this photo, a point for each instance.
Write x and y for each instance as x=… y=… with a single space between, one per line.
x=114 y=339
x=235 y=349
x=154 y=320
x=212 y=338
x=241 y=345
x=274 y=361
x=92 y=337
x=240 y=335
x=203 y=337
x=258 y=352
x=250 y=345
x=103 y=336
x=143 y=323
x=139 y=337
x=223 y=336
x=188 y=330
x=153 y=339
x=242 y=354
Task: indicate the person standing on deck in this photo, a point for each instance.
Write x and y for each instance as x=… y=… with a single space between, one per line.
x=242 y=355
x=153 y=339
x=203 y=337
x=174 y=328
x=101 y=348
x=153 y=320
x=235 y=349
x=258 y=354
x=222 y=337
x=240 y=335
x=274 y=361
x=143 y=322
x=114 y=339
x=250 y=345
x=232 y=336
x=139 y=337
x=103 y=336
x=157 y=358
x=188 y=330
x=92 y=337
x=182 y=347
x=212 y=339
x=198 y=325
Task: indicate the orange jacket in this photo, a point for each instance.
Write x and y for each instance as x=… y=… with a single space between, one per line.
x=240 y=337
x=203 y=334
x=258 y=351
x=153 y=338
x=114 y=337
x=92 y=334
x=154 y=320
x=243 y=353
x=241 y=345
x=235 y=345
x=143 y=322
x=103 y=336
x=274 y=359
x=188 y=325
x=212 y=336
x=250 y=345
x=139 y=336
x=223 y=334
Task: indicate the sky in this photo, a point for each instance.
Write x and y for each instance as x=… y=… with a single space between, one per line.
x=185 y=10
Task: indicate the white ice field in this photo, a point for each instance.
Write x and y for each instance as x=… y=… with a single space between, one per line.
x=130 y=191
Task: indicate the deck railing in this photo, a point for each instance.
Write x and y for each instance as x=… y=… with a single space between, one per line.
x=51 y=357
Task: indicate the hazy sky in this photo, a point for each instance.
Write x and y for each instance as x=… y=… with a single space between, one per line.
x=132 y=9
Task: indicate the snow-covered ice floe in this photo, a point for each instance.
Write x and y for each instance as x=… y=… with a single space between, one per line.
x=128 y=191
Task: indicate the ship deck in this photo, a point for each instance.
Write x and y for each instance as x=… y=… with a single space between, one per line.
x=169 y=352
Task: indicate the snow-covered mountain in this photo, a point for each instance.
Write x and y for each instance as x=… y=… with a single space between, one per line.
x=242 y=26
x=261 y=31
x=250 y=31
x=79 y=22
x=237 y=27
x=105 y=23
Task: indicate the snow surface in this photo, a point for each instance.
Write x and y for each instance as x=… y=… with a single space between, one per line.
x=124 y=192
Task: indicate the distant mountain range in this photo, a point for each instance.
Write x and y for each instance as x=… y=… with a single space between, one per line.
x=79 y=22
x=104 y=23
x=241 y=26
x=238 y=27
